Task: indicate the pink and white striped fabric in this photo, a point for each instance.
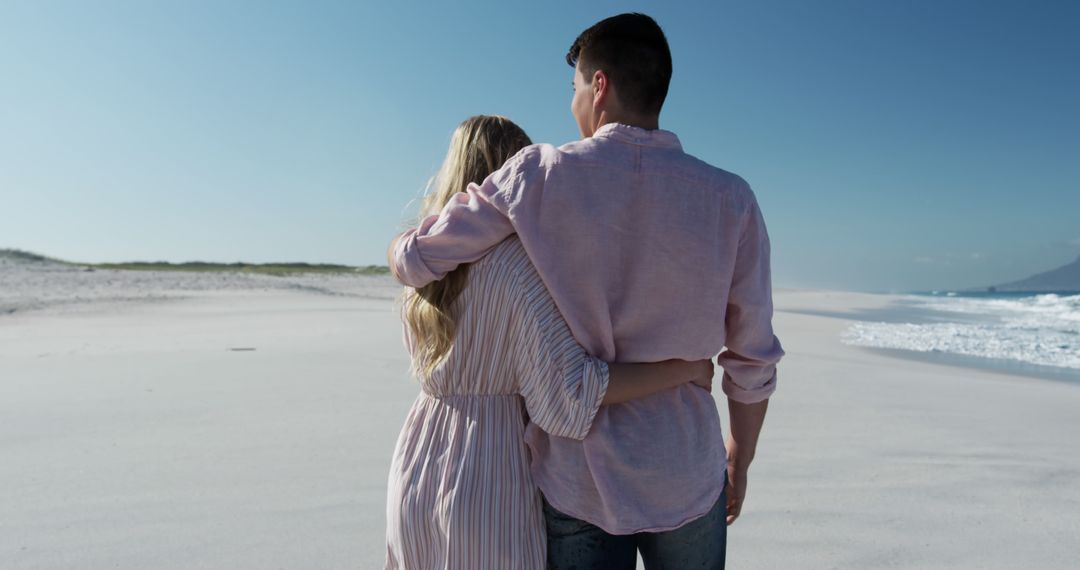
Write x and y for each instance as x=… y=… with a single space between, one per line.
x=460 y=494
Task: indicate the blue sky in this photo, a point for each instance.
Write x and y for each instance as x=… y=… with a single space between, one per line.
x=892 y=145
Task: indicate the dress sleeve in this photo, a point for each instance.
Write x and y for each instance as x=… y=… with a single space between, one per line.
x=562 y=385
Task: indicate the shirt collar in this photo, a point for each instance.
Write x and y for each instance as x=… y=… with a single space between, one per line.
x=639 y=136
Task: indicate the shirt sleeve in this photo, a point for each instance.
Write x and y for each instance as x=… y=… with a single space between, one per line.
x=562 y=385
x=752 y=350
x=471 y=223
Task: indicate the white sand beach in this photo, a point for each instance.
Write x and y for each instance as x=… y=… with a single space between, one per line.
x=247 y=425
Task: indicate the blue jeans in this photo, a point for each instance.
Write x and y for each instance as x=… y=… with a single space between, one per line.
x=578 y=545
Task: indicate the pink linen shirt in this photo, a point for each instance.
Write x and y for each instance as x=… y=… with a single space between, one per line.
x=650 y=254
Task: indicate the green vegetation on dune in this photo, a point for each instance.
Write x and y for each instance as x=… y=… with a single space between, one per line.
x=29 y=257
x=261 y=268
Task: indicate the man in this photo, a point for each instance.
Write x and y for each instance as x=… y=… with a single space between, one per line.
x=650 y=254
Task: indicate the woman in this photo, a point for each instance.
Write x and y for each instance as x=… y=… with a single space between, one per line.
x=492 y=352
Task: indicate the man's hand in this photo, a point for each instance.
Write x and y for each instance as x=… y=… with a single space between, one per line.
x=735 y=491
x=741 y=445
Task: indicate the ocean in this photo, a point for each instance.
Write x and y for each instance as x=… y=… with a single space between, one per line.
x=1028 y=333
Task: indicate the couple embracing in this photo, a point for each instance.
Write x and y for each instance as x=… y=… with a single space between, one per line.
x=563 y=307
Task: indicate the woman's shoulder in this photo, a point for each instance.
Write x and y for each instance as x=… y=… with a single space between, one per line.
x=507 y=263
x=508 y=254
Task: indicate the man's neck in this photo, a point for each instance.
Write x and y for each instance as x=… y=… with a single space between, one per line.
x=650 y=123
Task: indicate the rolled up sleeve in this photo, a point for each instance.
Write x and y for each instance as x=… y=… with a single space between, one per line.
x=408 y=267
x=752 y=350
x=471 y=223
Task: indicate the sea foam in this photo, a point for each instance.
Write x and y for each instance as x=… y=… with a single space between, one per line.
x=1042 y=330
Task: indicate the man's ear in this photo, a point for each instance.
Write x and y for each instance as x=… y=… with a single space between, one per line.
x=601 y=88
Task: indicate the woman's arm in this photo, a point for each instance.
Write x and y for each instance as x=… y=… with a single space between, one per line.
x=632 y=381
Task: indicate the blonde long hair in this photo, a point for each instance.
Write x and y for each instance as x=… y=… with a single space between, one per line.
x=479 y=146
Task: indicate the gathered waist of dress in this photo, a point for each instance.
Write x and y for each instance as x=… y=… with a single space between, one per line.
x=467 y=396
x=471 y=405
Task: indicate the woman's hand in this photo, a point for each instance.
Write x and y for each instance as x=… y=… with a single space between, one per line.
x=631 y=381
x=702 y=374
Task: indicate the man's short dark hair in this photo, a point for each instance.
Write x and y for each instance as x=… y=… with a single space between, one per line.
x=632 y=50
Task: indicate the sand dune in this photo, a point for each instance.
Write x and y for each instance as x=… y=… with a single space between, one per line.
x=48 y=285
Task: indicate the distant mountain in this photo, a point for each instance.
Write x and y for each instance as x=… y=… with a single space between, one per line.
x=1065 y=278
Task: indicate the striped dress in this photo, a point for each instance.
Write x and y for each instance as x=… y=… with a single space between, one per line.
x=460 y=495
